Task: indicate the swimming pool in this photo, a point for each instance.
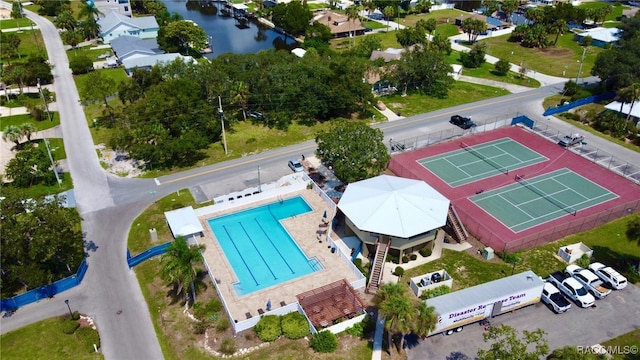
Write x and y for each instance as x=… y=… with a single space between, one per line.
x=259 y=249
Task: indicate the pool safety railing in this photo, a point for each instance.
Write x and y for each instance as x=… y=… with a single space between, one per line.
x=315 y=264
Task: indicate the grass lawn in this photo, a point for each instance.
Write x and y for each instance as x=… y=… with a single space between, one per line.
x=372 y=24
x=629 y=339
x=616 y=12
x=486 y=71
x=39 y=191
x=244 y=138
x=15 y=23
x=441 y=17
x=88 y=52
x=554 y=60
x=446 y=30
x=118 y=75
x=460 y=93
x=23 y=118
x=30 y=43
x=44 y=340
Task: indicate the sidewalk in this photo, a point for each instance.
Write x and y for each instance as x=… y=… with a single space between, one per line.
x=542 y=78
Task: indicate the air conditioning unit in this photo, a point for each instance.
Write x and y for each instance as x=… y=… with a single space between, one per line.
x=436 y=277
x=425 y=282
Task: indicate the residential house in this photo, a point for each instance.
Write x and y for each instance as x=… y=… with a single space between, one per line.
x=122 y=7
x=493 y=24
x=625 y=108
x=340 y=25
x=147 y=62
x=114 y=25
x=601 y=37
x=130 y=47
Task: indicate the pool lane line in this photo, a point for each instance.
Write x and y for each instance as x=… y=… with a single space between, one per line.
x=274 y=245
x=258 y=251
x=239 y=253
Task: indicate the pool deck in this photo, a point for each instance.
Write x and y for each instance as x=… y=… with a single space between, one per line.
x=303 y=229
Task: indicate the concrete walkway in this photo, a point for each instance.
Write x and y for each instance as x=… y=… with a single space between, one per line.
x=512 y=88
x=388 y=277
x=542 y=78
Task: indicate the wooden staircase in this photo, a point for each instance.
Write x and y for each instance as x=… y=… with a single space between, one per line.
x=377 y=268
x=459 y=232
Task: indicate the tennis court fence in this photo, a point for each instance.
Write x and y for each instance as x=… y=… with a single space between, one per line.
x=487 y=236
x=418 y=142
x=591 y=153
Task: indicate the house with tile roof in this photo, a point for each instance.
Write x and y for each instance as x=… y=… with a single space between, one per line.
x=340 y=25
x=114 y=25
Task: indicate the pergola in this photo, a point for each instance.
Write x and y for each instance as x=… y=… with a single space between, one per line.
x=326 y=304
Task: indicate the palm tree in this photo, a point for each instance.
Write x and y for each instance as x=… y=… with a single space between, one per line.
x=560 y=26
x=16 y=13
x=27 y=129
x=396 y=307
x=12 y=133
x=426 y=319
x=352 y=13
x=178 y=264
x=240 y=95
x=629 y=95
x=89 y=11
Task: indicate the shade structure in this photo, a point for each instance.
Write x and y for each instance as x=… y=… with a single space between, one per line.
x=183 y=222
x=394 y=206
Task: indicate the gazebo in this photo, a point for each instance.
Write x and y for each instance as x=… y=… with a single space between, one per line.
x=327 y=304
x=404 y=212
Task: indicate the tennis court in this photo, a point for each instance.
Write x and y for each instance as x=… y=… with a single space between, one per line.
x=476 y=162
x=531 y=202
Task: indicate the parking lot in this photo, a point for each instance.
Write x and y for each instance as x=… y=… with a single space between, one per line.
x=617 y=314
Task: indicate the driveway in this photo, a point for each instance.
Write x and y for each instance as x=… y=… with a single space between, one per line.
x=615 y=315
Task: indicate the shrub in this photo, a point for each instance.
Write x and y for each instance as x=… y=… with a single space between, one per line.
x=88 y=337
x=228 y=346
x=475 y=57
x=75 y=315
x=324 y=342
x=392 y=258
x=425 y=251
x=584 y=261
x=570 y=88
x=80 y=65
x=413 y=256
x=431 y=293
x=268 y=328
x=509 y=258
x=356 y=330
x=204 y=311
x=200 y=327
x=502 y=67
x=399 y=271
x=69 y=326
x=222 y=324
x=294 y=326
x=358 y=263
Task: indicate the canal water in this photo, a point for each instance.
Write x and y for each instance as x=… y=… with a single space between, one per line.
x=223 y=33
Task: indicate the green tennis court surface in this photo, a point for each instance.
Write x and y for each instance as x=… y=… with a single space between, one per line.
x=472 y=163
x=534 y=201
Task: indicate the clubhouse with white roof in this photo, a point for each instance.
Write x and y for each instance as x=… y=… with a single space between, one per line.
x=405 y=212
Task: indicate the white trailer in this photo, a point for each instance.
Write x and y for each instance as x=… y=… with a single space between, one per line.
x=487 y=300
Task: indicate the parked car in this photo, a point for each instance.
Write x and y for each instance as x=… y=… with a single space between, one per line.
x=462 y=122
x=589 y=280
x=255 y=114
x=572 y=288
x=571 y=140
x=609 y=275
x=295 y=165
x=552 y=297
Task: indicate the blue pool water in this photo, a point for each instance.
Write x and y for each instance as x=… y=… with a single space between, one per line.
x=259 y=249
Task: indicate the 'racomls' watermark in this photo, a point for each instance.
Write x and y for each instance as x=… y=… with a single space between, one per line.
x=610 y=350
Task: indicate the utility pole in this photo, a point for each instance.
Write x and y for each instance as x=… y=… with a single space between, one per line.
x=584 y=51
x=46 y=141
x=46 y=106
x=224 y=139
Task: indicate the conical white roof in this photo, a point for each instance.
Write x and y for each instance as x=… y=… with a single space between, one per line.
x=394 y=206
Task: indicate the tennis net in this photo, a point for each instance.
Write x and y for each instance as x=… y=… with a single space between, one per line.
x=489 y=161
x=554 y=201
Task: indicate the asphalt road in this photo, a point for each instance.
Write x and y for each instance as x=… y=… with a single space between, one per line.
x=110 y=293
x=615 y=315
